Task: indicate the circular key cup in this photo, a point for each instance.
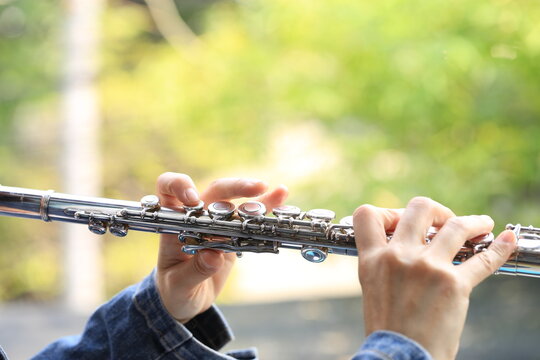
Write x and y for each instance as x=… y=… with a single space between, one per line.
x=97 y=226
x=221 y=210
x=287 y=211
x=150 y=202
x=314 y=254
x=321 y=215
x=252 y=209
x=118 y=229
x=196 y=208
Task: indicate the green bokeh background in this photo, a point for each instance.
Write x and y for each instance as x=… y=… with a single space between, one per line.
x=400 y=99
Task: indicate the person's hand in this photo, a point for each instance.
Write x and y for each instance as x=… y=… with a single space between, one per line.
x=189 y=284
x=413 y=288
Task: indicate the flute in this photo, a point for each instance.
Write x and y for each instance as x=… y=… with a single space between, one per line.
x=246 y=228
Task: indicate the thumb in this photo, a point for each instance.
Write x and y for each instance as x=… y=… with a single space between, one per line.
x=202 y=266
x=481 y=265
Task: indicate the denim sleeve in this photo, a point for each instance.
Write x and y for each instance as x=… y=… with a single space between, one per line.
x=389 y=345
x=135 y=325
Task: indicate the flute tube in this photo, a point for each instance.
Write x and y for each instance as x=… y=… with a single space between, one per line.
x=197 y=229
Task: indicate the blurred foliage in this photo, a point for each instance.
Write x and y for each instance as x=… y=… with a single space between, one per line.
x=346 y=102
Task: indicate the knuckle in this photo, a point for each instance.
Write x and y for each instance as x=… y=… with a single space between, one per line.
x=456 y=221
x=457 y=224
x=202 y=269
x=182 y=177
x=486 y=261
x=364 y=265
x=225 y=184
x=215 y=183
x=162 y=178
x=441 y=276
x=421 y=202
x=365 y=210
x=463 y=226
x=169 y=178
x=393 y=257
x=177 y=183
x=451 y=283
x=388 y=260
x=423 y=267
x=485 y=218
x=501 y=253
x=238 y=185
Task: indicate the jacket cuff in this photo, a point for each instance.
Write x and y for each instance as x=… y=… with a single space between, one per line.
x=389 y=345
x=209 y=329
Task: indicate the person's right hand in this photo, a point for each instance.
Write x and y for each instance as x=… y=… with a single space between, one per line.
x=189 y=284
x=413 y=288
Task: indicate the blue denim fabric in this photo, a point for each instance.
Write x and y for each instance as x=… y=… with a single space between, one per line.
x=135 y=325
x=389 y=345
x=3 y=355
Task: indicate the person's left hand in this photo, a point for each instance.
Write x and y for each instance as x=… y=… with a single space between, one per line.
x=189 y=284
x=412 y=287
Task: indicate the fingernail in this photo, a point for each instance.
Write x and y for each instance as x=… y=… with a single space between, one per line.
x=191 y=195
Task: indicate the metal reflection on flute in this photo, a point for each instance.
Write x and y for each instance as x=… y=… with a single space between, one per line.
x=245 y=228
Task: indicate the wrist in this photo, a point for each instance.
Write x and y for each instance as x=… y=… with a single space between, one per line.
x=182 y=305
x=163 y=287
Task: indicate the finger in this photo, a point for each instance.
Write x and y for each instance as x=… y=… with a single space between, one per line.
x=419 y=215
x=274 y=198
x=175 y=189
x=481 y=265
x=371 y=224
x=222 y=189
x=233 y=188
x=456 y=231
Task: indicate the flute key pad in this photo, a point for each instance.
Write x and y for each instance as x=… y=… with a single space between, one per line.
x=252 y=209
x=286 y=211
x=321 y=215
x=221 y=210
x=150 y=203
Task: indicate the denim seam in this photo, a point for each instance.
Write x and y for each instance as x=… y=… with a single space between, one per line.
x=177 y=354
x=161 y=335
x=379 y=353
x=173 y=352
x=153 y=309
x=101 y=316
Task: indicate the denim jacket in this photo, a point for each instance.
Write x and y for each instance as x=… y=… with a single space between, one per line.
x=135 y=325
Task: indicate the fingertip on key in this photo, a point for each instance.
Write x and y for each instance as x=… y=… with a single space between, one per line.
x=192 y=196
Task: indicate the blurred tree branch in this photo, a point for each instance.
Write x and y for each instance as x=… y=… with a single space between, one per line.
x=171 y=25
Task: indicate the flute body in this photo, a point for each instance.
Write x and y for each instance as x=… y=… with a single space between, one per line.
x=245 y=228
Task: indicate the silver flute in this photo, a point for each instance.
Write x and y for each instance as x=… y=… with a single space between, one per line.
x=246 y=228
